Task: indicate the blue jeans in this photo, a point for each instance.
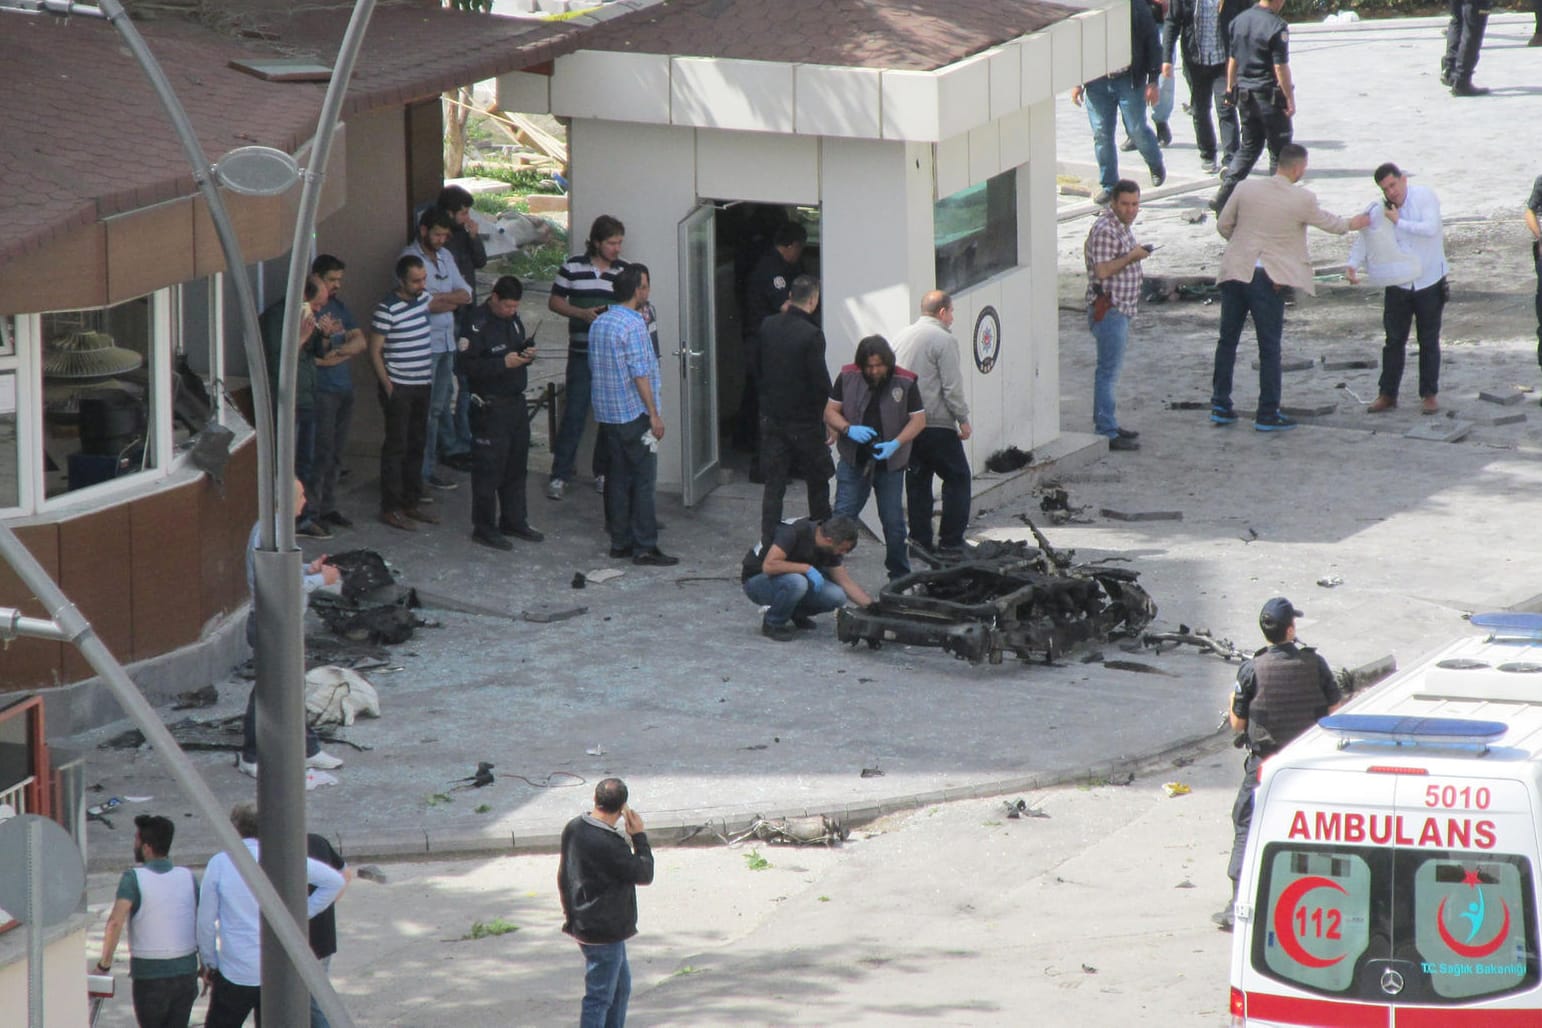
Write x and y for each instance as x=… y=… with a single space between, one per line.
x=1104 y=98
x=852 y=487
x=442 y=439
x=792 y=596
x=1164 y=106
x=629 y=487
x=319 y=1019
x=1262 y=299
x=570 y=431
x=463 y=410
x=1111 y=334
x=607 y=985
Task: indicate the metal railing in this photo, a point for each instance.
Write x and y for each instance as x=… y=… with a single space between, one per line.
x=16 y=795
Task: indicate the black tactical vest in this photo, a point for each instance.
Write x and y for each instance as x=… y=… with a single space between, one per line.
x=1289 y=698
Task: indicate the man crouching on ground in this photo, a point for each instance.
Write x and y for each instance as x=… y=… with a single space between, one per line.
x=801 y=574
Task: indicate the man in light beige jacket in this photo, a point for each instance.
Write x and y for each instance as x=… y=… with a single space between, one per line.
x=1264 y=223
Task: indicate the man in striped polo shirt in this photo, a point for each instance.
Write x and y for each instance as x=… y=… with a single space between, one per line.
x=581 y=292
x=399 y=350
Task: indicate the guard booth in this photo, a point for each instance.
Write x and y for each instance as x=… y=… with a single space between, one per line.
x=917 y=145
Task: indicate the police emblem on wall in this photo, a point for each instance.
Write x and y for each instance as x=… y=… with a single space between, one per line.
x=987 y=339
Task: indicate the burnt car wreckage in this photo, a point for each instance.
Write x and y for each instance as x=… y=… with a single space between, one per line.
x=1002 y=596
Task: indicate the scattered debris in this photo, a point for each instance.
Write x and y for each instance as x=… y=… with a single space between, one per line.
x=1503 y=399
x=546 y=613
x=1185 y=636
x=579 y=581
x=813 y=830
x=338 y=695
x=1185 y=884
x=371 y=873
x=195 y=699
x=1000 y=596
x=596 y=750
x=1188 y=404
x=1316 y=410
x=1089 y=969
x=1114 y=514
x=599 y=576
x=483 y=776
x=1018 y=809
x=1197 y=216
x=1440 y=430
x=1358 y=364
x=1331 y=581
x=1009 y=459
x=1352 y=394
x=1176 y=789
x=872 y=772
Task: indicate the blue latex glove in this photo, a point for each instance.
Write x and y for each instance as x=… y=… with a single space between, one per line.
x=883 y=451
x=816 y=581
x=860 y=434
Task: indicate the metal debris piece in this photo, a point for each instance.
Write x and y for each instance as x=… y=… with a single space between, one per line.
x=1331 y=581
x=371 y=873
x=599 y=576
x=872 y=772
x=814 y=830
x=546 y=613
x=998 y=597
x=1352 y=394
x=1114 y=514
x=1202 y=638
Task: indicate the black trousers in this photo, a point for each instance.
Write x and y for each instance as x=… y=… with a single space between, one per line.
x=401 y=447
x=1536 y=260
x=784 y=447
x=1207 y=89
x=500 y=452
x=165 y=1002
x=1242 y=817
x=1263 y=124
x=1402 y=308
x=1464 y=38
x=229 y=1003
x=938 y=452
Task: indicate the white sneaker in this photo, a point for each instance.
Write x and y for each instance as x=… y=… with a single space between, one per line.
x=323 y=760
x=244 y=767
x=599 y=484
x=554 y=489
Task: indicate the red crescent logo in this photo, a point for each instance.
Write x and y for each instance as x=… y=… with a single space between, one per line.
x=1284 y=912
x=1471 y=952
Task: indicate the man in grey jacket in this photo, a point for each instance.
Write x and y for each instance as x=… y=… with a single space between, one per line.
x=929 y=349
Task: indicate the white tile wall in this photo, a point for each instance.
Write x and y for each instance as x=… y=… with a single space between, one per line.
x=751 y=96
x=614 y=86
x=839 y=101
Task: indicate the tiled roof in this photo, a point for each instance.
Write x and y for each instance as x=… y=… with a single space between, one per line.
x=85 y=138
x=915 y=35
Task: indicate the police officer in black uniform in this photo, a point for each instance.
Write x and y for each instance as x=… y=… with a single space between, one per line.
x=765 y=294
x=494 y=364
x=794 y=387
x=1258 y=80
x=1280 y=693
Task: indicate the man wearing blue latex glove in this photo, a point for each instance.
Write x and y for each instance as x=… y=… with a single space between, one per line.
x=874 y=398
x=801 y=574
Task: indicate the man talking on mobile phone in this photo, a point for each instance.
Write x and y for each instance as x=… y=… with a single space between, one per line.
x=605 y=856
x=1114 y=276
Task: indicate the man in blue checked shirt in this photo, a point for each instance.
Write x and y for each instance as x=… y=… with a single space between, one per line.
x=625 y=389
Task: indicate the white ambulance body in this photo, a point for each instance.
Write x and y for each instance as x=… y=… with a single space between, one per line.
x=1392 y=871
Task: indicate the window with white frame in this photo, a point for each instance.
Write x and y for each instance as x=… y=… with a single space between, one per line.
x=90 y=397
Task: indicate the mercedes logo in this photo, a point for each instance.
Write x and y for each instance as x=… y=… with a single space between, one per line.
x=1391 y=982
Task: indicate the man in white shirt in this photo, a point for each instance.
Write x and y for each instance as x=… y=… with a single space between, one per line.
x=1416 y=287
x=230 y=926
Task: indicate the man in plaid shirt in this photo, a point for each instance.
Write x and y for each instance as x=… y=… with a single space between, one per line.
x=1113 y=295
x=625 y=387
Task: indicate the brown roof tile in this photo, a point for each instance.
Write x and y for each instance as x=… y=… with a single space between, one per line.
x=915 y=35
x=84 y=135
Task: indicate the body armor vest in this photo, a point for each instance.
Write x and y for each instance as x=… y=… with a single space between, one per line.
x=1289 y=698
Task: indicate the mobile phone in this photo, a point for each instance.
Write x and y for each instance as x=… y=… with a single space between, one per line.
x=1151 y=247
x=1387 y=204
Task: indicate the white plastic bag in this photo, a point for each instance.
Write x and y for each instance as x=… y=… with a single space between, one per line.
x=336 y=695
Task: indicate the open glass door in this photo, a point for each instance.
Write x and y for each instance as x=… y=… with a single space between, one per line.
x=698 y=371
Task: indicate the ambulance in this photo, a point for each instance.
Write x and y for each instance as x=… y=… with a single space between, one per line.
x=1391 y=877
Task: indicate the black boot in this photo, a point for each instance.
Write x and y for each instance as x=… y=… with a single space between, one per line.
x=1464 y=87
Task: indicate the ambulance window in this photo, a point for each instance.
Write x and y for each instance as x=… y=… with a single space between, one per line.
x=1473 y=921
x=1314 y=920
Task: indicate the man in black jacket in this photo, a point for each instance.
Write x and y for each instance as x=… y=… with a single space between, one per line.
x=794 y=383
x=597 y=879
x=493 y=363
x=1201 y=26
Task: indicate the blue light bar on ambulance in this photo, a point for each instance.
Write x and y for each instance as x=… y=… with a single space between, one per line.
x=1402 y=730
x=1504 y=624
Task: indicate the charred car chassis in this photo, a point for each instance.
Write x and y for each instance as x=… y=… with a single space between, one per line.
x=999 y=597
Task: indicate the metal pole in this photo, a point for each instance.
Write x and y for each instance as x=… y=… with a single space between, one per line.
x=34 y=915
x=76 y=630
x=230 y=244
x=280 y=636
